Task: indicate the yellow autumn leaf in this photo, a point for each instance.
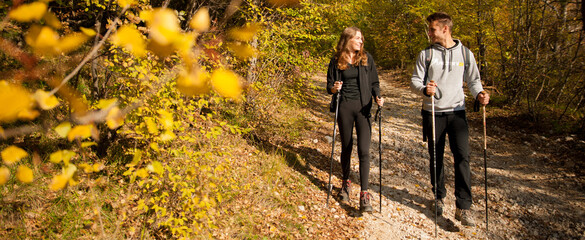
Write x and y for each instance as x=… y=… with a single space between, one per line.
x=154 y=146
x=42 y=39
x=245 y=33
x=126 y=3
x=45 y=101
x=226 y=83
x=13 y=154
x=155 y=167
x=28 y=114
x=106 y=103
x=135 y=159
x=97 y=167
x=166 y=118
x=146 y=15
x=88 y=31
x=80 y=131
x=63 y=129
x=151 y=125
x=60 y=181
x=29 y=12
x=4 y=175
x=142 y=173
x=88 y=144
x=131 y=39
x=70 y=42
x=167 y=136
x=241 y=50
x=87 y=168
x=72 y=182
x=52 y=20
x=77 y=103
x=200 y=21
x=69 y=170
x=13 y=100
x=62 y=155
x=24 y=174
x=114 y=119
x=67 y=156
x=183 y=43
x=163 y=24
x=195 y=82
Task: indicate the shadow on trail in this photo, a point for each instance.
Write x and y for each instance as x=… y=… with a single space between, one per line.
x=401 y=165
x=301 y=159
x=420 y=204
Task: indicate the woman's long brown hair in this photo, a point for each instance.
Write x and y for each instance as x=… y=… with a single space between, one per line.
x=342 y=49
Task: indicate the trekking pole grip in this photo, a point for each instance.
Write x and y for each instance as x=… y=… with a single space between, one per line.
x=433 y=82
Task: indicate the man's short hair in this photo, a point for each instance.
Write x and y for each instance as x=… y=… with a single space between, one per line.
x=443 y=18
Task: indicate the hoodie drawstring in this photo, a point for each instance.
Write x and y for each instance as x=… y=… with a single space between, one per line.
x=444 y=60
x=450 y=60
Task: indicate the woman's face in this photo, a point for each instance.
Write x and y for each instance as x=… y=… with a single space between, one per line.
x=356 y=42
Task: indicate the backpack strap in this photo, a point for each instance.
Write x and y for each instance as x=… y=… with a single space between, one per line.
x=428 y=58
x=465 y=52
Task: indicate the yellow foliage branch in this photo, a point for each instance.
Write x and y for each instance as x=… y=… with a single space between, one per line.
x=97 y=116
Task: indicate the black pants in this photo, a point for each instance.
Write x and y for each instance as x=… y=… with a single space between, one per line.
x=350 y=113
x=455 y=125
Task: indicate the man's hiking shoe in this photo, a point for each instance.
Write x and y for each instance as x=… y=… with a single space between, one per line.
x=345 y=191
x=365 y=205
x=440 y=206
x=464 y=215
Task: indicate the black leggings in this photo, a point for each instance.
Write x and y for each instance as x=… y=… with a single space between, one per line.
x=350 y=112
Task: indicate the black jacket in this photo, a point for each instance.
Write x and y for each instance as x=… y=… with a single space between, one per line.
x=369 y=83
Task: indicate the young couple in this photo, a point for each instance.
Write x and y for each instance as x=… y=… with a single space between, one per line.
x=439 y=73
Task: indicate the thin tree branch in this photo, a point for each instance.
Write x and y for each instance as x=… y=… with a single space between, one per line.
x=91 y=53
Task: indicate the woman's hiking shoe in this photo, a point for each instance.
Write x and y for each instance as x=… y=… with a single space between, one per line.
x=345 y=191
x=365 y=205
x=440 y=206
x=464 y=215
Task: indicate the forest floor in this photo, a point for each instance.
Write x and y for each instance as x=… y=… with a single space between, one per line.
x=535 y=180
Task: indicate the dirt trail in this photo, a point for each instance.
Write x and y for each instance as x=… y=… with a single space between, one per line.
x=532 y=194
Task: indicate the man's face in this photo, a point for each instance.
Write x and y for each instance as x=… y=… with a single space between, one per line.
x=438 y=32
x=356 y=42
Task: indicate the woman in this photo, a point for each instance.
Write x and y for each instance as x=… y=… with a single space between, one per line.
x=352 y=73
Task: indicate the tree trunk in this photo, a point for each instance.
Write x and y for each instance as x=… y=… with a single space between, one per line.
x=253 y=61
x=480 y=43
x=582 y=16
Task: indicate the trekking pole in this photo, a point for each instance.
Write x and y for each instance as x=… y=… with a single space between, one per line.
x=487 y=229
x=379 y=118
x=329 y=187
x=434 y=157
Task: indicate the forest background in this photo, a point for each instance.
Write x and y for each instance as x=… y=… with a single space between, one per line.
x=124 y=119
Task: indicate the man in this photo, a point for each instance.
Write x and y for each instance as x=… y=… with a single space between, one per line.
x=439 y=73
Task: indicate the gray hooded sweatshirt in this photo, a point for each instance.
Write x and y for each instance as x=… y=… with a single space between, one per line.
x=447 y=69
